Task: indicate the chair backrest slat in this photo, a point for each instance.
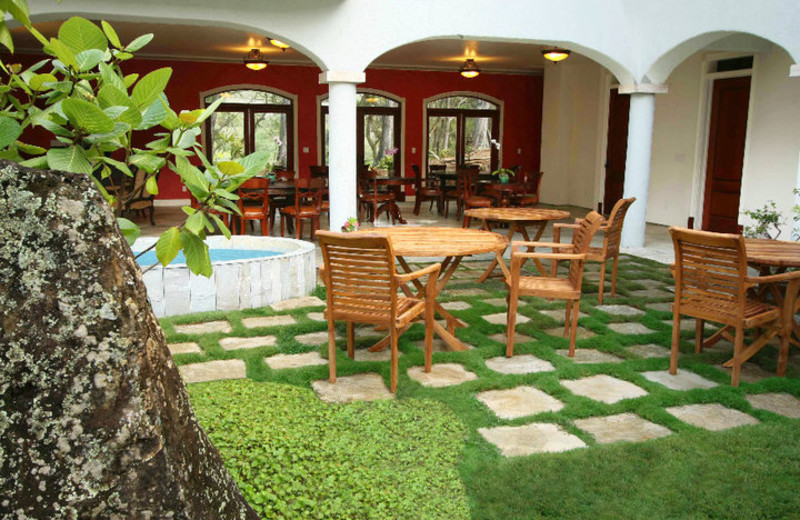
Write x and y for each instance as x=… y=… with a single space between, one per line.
x=616 y=219
x=581 y=240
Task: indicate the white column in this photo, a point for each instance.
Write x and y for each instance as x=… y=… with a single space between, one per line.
x=342 y=144
x=637 y=166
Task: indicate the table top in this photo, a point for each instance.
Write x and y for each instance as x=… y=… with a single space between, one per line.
x=517 y=214
x=441 y=241
x=776 y=253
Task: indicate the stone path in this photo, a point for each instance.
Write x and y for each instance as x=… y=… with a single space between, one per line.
x=539 y=379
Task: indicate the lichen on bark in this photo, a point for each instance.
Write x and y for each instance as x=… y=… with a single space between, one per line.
x=95 y=421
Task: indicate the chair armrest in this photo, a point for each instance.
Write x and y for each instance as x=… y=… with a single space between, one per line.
x=559 y=225
x=772 y=278
x=551 y=245
x=550 y=256
x=431 y=269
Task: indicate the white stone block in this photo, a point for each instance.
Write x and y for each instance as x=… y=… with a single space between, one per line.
x=243 y=285
x=227 y=281
x=154 y=281
x=176 y=291
x=203 y=293
x=255 y=284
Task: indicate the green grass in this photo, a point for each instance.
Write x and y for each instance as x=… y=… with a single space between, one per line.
x=745 y=472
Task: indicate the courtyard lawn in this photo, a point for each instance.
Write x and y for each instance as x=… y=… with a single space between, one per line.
x=423 y=456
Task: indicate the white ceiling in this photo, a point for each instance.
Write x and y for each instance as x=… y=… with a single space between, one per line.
x=223 y=44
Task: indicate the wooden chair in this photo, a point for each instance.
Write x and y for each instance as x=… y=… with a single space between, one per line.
x=468 y=182
x=371 y=198
x=254 y=203
x=362 y=286
x=321 y=172
x=711 y=283
x=138 y=199
x=318 y=171
x=568 y=288
x=426 y=190
x=612 y=233
x=307 y=206
x=278 y=202
x=529 y=186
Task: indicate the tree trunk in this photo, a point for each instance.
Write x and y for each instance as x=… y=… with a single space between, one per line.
x=95 y=421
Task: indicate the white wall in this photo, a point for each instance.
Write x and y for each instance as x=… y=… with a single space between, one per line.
x=571 y=114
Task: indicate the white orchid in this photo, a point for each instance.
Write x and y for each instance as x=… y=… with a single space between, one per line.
x=495 y=143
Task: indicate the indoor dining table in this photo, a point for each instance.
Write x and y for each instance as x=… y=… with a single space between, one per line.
x=449 y=244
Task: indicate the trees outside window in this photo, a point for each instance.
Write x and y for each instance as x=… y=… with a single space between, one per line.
x=248 y=121
x=460 y=132
x=377 y=132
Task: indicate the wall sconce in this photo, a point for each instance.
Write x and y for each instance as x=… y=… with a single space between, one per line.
x=279 y=44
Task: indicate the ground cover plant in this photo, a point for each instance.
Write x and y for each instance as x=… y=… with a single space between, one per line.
x=743 y=472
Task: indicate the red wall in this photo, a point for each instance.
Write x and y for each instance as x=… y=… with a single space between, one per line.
x=522 y=97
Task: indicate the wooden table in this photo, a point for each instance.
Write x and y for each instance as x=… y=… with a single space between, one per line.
x=395 y=185
x=517 y=220
x=502 y=190
x=451 y=244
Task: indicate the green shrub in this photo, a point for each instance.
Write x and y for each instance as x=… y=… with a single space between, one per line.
x=295 y=456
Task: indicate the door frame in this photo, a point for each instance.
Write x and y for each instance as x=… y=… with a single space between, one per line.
x=698 y=192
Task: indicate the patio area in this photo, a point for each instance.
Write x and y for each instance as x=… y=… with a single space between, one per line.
x=542 y=429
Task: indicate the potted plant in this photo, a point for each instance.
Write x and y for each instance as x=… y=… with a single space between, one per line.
x=503 y=174
x=350 y=225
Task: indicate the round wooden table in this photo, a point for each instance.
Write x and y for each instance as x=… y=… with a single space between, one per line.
x=517 y=219
x=451 y=244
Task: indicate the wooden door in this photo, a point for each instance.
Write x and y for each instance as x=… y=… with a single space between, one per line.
x=617 y=148
x=726 y=139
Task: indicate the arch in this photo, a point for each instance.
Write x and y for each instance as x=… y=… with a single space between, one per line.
x=263 y=88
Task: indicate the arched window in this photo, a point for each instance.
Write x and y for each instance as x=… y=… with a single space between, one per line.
x=249 y=121
x=377 y=132
x=463 y=130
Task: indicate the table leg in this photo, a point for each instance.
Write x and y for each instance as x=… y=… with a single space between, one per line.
x=513 y=227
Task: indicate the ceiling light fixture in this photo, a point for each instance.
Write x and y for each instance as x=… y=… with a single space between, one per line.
x=555 y=55
x=469 y=69
x=255 y=61
x=279 y=44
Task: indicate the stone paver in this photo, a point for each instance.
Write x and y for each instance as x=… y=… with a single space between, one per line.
x=620 y=310
x=518 y=338
x=515 y=441
x=683 y=380
x=519 y=364
x=268 y=321
x=381 y=355
x=456 y=306
x=751 y=373
x=781 y=404
x=604 y=388
x=346 y=389
x=313 y=339
x=213 y=371
x=580 y=333
x=184 y=348
x=650 y=350
x=439 y=345
x=206 y=327
x=496 y=302
x=559 y=314
x=240 y=343
x=622 y=427
x=500 y=318
x=317 y=316
x=589 y=355
x=518 y=402
x=630 y=328
x=465 y=292
x=282 y=361
x=652 y=284
x=712 y=417
x=661 y=307
x=441 y=374
x=296 y=303
x=686 y=324
x=651 y=293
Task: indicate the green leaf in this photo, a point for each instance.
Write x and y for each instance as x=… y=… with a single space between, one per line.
x=87 y=116
x=79 y=34
x=18 y=9
x=210 y=109
x=192 y=178
x=230 y=167
x=37 y=82
x=71 y=159
x=139 y=42
x=129 y=230
x=38 y=163
x=225 y=194
x=130 y=79
x=152 y=185
x=63 y=53
x=30 y=149
x=89 y=59
x=195 y=223
x=154 y=115
x=51 y=126
x=255 y=162
x=121 y=166
x=5 y=37
x=110 y=77
x=196 y=251
x=168 y=245
x=150 y=87
x=110 y=95
x=111 y=34
x=221 y=225
x=9 y=131
x=120 y=130
x=147 y=162
x=184 y=139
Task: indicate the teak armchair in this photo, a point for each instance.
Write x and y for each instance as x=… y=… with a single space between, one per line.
x=426 y=190
x=612 y=233
x=307 y=206
x=711 y=283
x=254 y=203
x=359 y=273
x=568 y=288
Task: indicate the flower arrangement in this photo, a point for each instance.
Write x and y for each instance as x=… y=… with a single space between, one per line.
x=350 y=225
